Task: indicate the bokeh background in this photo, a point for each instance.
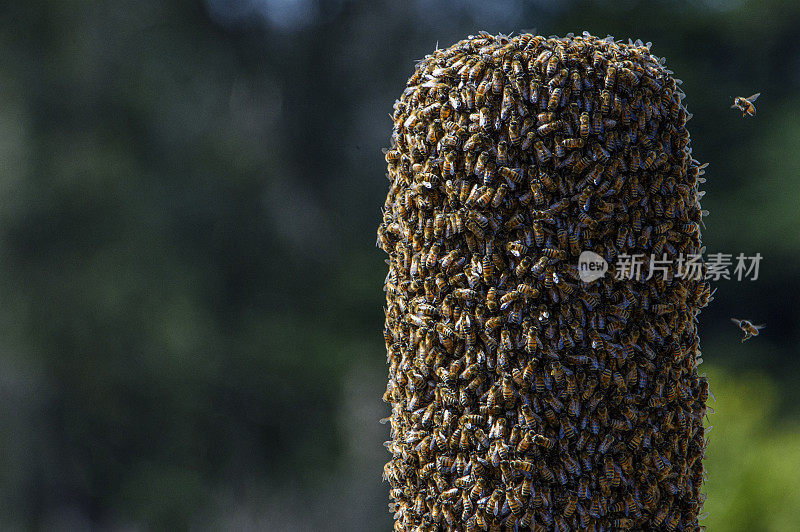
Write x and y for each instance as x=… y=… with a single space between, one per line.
x=190 y=295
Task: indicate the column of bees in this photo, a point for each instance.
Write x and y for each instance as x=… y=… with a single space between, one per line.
x=523 y=398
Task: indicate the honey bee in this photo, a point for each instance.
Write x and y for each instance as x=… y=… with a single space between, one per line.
x=559 y=79
x=577 y=83
x=745 y=105
x=550 y=127
x=545 y=472
x=572 y=143
x=555 y=99
x=749 y=329
x=468 y=97
x=515 y=221
x=543 y=442
x=499 y=195
x=514 y=175
x=502 y=152
x=552 y=65
x=508 y=389
x=476 y=71
x=507 y=103
x=542 y=153
x=571 y=505
x=485 y=118
x=514 y=132
x=497 y=81
x=495 y=502
x=605 y=103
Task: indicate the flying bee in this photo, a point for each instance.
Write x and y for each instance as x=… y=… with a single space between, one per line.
x=749 y=329
x=745 y=105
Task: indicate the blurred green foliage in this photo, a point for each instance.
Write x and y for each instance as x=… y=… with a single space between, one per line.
x=191 y=306
x=752 y=459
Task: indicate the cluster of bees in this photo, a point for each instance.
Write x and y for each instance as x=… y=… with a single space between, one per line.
x=523 y=398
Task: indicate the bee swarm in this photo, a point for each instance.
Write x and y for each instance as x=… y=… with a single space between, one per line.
x=523 y=398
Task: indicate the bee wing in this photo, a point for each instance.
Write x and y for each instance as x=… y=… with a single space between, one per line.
x=753 y=98
x=734 y=106
x=760 y=326
x=737 y=322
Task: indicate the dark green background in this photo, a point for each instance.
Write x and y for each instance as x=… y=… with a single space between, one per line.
x=190 y=296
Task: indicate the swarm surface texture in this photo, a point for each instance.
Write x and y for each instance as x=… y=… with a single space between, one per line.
x=523 y=398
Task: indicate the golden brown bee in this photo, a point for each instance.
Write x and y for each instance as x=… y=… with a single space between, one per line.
x=555 y=99
x=508 y=389
x=514 y=135
x=543 y=442
x=485 y=118
x=497 y=81
x=495 y=502
x=515 y=221
x=449 y=164
x=524 y=466
x=515 y=175
x=749 y=329
x=559 y=79
x=605 y=103
x=577 y=83
x=745 y=105
x=552 y=65
x=571 y=143
x=501 y=192
x=542 y=153
x=507 y=104
x=548 y=128
x=502 y=152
